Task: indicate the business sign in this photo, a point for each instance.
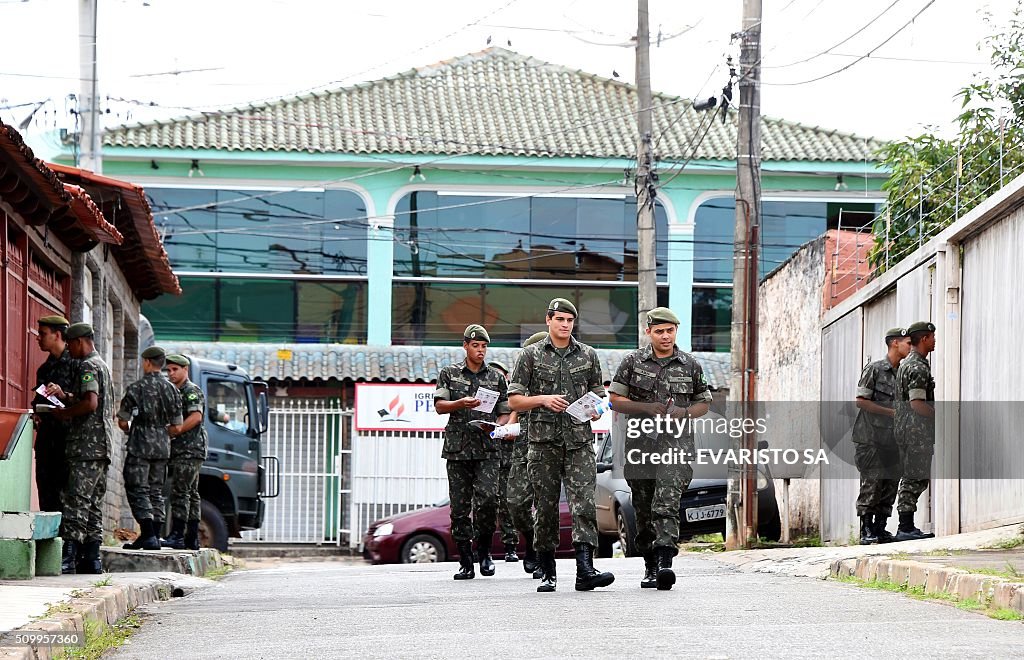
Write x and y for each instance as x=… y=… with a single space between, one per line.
x=397 y=407
x=410 y=407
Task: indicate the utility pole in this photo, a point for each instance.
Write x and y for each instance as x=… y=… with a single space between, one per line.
x=741 y=501
x=90 y=135
x=647 y=270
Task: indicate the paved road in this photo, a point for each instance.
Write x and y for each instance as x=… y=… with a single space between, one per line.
x=332 y=610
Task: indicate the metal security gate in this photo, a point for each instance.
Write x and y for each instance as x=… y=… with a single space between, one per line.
x=312 y=438
x=393 y=472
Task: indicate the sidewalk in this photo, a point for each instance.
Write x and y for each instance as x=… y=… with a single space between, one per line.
x=985 y=569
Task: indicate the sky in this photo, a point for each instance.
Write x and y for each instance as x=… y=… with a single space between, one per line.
x=168 y=58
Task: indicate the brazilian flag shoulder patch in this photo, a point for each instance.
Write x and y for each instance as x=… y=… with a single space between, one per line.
x=88 y=378
x=193 y=396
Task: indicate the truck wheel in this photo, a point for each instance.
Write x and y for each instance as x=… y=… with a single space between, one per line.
x=213 y=529
x=626 y=534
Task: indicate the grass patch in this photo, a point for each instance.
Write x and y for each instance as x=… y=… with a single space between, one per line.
x=1008 y=544
x=1011 y=572
x=918 y=593
x=707 y=538
x=218 y=573
x=899 y=556
x=105 y=582
x=100 y=638
x=1004 y=614
x=807 y=542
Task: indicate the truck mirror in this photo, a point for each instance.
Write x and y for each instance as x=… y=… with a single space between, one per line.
x=263 y=409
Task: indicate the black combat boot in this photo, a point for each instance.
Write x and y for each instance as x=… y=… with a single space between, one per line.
x=587 y=577
x=483 y=550
x=89 y=559
x=147 y=537
x=549 y=579
x=908 y=531
x=466 y=571
x=884 y=535
x=192 y=535
x=867 y=530
x=666 y=577
x=510 y=552
x=176 y=539
x=650 y=579
x=69 y=558
x=530 y=563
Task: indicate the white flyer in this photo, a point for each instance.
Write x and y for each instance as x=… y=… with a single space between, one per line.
x=586 y=407
x=41 y=391
x=488 y=399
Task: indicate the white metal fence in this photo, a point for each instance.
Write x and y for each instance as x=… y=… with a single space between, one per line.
x=335 y=481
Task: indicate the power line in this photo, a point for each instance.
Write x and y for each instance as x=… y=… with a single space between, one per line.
x=859 y=59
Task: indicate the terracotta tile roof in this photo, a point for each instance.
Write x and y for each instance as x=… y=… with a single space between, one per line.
x=495 y=102
x=142 y=255
x=91 y=218
x=28 y=185
x=385 y=363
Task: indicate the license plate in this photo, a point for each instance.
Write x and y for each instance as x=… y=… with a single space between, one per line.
x=705 y=513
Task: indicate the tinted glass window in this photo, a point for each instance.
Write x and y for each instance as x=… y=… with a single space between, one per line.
x=190 y=316
x=227 y=405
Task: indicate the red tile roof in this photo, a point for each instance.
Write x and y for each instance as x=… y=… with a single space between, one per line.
x=142 y=255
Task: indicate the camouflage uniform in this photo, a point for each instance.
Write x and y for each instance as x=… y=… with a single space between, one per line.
x=645 y=378
x=188 y=451
x=472 y=455
x=519 y=491
x=877 y=457
x=509 y=535
x=561 y=448
x=87 y=450
x=51 y=435
x=154 y=403
x=915 y=434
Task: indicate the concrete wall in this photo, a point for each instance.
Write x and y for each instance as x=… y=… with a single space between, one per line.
x=789 y=362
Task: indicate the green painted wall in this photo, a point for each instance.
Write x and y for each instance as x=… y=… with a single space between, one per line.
x=16 y=475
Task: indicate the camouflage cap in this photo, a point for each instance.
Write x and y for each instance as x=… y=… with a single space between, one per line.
x=179 y=360
x=154 y=353
x=562 y=305
x=476 y=332
x=895 y=332
x=534 y=338
x=921 y=326
x=54 y=321
x=78 y=330
x=498 y=365
x=660 y=315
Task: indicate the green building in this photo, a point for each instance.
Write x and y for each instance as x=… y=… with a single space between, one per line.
x=395 y=212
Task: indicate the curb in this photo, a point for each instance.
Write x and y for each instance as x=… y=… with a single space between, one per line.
x=935 y=579
x=106 y=605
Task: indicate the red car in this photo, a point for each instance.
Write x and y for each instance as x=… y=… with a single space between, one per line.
x=424 y=536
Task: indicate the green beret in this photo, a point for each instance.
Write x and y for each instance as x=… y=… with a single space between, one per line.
x=179 y=360
x=79 y=330
x=562 y=305
x=476 y=332
x=660 y=315
x=54 y=321
x=921 y=326
x=153 y=352
x=895 y=332
x=534 y=338
x=498 y=365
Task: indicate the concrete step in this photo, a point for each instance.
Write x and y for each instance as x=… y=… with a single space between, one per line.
x=245 y=550
x=189 y=562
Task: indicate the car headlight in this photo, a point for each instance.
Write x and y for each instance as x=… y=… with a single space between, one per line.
x=762 y=480
x=384 y=530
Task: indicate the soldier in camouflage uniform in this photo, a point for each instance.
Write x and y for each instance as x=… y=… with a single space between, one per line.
x=914 y=426
x=151 y=405
x=520 y=490
x=472 y=456
x=188 y=451
x=660 y=379
x=51 y=433
x=506 y=445
x=877 y=456
x=89 y=413
x=549 y=376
